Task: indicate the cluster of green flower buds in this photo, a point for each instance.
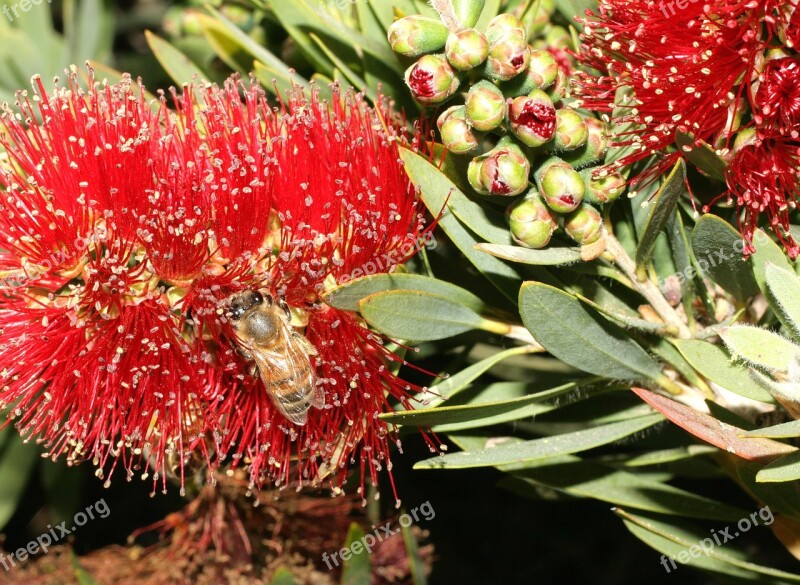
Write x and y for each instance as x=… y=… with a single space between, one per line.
x=514 y=122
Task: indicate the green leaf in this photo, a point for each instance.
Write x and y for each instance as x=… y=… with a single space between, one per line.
x=82 y=576
x=784 y=288
x=452 y=385
x=766 y=251
x=714 y=363
x=17 y=461
x=435 y=188
x=417 y=315
x=672 y=540
x=283 y=576
x=783 y=469
x=356 y=569
x=346 y=296
x=577 y=336
x=525 y=452
x=229 y=41
x=718 y=250
x=475 y=415
x=668 y=455
x=179 y=67
x=623 y=488
x=415 y=563
x=546 y=257
x=623 y=318
x=701 y=156
x=760 y=348
x=661 y=209
x=781 y=431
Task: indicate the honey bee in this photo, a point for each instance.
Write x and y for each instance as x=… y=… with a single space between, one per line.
x=282 y=355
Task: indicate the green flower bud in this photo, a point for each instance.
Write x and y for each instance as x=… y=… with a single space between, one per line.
x=531 y=222
x=509 y=56
x=455 y=130
x=486 y=106
x=558 y=37
x=432 y=80
x=594 y=151
x=541 y=73
x=474 y=174
x=466 y=49
x=584 y=225
x=415 y=35
x=532 y=118
x=504 y=24
x=571 y=130
x=559 y=88
x=561 y=186
x=505 y=170
x=604 y=188
x=468 y=12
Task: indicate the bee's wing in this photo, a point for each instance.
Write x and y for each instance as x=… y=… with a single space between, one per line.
x=289 y=378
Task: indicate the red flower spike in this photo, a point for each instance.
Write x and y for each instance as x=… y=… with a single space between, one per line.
x=674 y=70
x=128 y=227
x=777 y=102
x=765 y=180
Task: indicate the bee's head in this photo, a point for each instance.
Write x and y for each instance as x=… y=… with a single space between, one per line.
x=241 y=302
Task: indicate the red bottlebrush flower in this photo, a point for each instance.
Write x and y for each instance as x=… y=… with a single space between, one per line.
x=128 y=228
x=764 y=177
x=777 y=102
x=665 y=69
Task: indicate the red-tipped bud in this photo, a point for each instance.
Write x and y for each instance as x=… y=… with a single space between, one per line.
x=509 y=56
x=431 y=80
x=560 y=185
x=416 y=35
x=533 y=118
x=502 y=171
x=541 y=73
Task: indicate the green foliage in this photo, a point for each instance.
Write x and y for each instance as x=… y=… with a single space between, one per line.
x=32 y=45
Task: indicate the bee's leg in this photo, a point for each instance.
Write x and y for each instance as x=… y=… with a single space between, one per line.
x=283 y=305
x=245 y=353
x=268 y=300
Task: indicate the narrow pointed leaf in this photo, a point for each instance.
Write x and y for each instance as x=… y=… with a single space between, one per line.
x=760 y=348
x=524 y=452
x=356 y=569
x=784 y=469
x=718 y=250
x=546 y=257
x=417 y=316
x=346 y=296
x=784 y=288
x=716 y=365
x=661 y=208
x=576 y=335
